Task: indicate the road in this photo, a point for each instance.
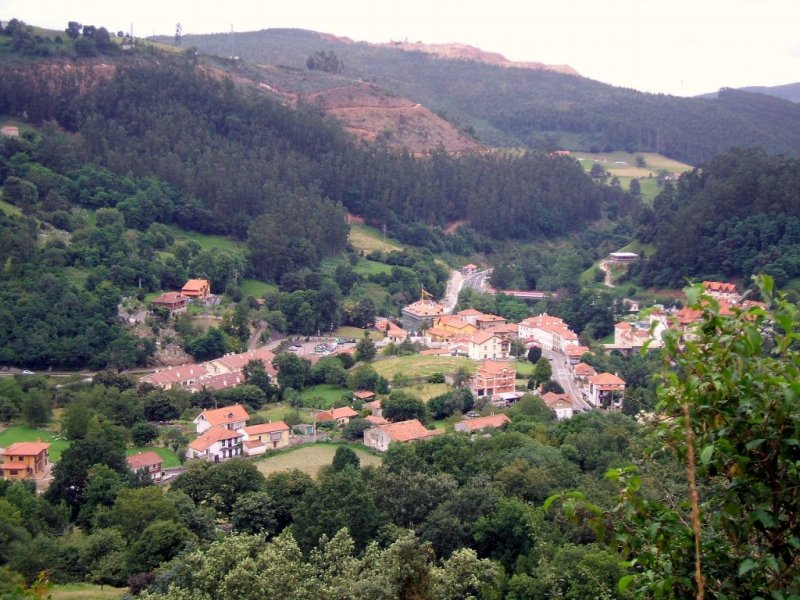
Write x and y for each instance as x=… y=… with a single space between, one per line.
x=563 y=375
x=457 y=282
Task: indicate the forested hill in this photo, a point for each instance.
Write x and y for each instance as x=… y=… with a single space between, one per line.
x=735 y=216
x=243 y=155
x=534 y=108
x=789 y=91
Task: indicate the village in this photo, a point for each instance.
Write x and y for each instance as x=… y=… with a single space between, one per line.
x=492 y=347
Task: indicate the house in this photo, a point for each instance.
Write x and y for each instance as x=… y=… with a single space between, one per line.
x=469 y=269
x=183 y=376
x=26 y=460
x=722 y=291
x=488 y=345
x=494 y=378
x=394 y=334
x=630 y=336
x=216 y=444
x=265 y=436
x=375 y=420
x=606 y=391
x=488 y=321
x=575 y=353
x=561 y=404
x=481 y=423
x=228 y=417
x=421 y=314
x=231 y=363
x=342 y=415
x=223 y=381
x=365 y=396
x=623 y=257
x=147 y=462
x=174 y=302
x=508 y=331
x=439 y=334
x=198 y=289
x=9 y=131
x=455 y=325
x=381 y=436
x=583 y=373
x=376 y=407
x=470 y=315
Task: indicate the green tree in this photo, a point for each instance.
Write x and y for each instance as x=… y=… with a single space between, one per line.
x=143 y=433
x=542 y=372
x=730 y=421
x=36 y=408
x=293 y=371
x=402 y=406
x=345 y=457
x=365 y=348
x=254 y=512
x=534 y=354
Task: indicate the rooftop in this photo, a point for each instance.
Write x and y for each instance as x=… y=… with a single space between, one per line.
x=143 y=460
x=479 y=423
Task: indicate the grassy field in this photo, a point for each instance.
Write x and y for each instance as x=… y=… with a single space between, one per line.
x=277 y=412
x=426 y=391
x=369 y=239
x=84 y=591
x=322 y=395
x=10 y=209
x=524 y=369
x=168 y=456
x=20 y=433
x=309 y=458
x=207 y=242
x=255 y=288
x=371 y=267
x=421 y=366
x=355 y=332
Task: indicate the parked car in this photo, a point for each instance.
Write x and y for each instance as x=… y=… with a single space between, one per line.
x=27 y=372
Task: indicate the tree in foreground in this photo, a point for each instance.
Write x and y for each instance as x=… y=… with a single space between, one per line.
x=730 y=407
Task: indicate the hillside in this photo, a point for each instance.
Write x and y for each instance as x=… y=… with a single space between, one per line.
x=789 y=91
x=512 y=106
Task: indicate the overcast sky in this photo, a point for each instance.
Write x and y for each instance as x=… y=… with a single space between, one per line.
x=681 y=47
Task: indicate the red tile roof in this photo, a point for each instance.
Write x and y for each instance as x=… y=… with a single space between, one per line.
x=218 y=382
x=216 y=434
x=497 y=366
x=484 y=336
x=719 y=287
x=376 y=420
x=344 y=412
x=26 y=448
x=195 y=285
x=143 y=460
x=551 y=398
x=406 y=431
x=606 y=379
x=179 y=374
x=170 y=298
x=266 y=428
x=584 y=370
x=469 y=312
x=238 y=361
x=364 y=394
x=225 y=415
x=479 y=423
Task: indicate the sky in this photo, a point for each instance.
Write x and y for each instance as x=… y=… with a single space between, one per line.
x=680 y=47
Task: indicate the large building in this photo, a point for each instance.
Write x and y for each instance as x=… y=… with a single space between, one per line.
x=487 y=345
x=421 y=314
x=233 y=417
x=494 y=378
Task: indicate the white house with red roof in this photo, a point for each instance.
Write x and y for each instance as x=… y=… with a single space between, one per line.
x=487 y=345
x=382 y=436
x=216 y=444
x=183 y=376
x=482 y=423
x=606 y=390
x=148 y=462
x=722 y=291
x=560 y=404
x=494 y=378
x=228 y=417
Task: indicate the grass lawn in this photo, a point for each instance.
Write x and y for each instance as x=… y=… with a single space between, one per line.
x=309 y=458
x=371 y=267
x=207 y=242
x=355 y=332
x=84 y=591
x=524 y=369
x=421 y=366
x=255 y=288
x=322 y=395
x=368 y=239
x=426 y=391
x=10 y=209
x=277 y=412
x=21 y=433
x=168 y=456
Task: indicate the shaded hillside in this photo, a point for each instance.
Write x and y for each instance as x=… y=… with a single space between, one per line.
x=737 y=215
x=790 y=91
x=534 y=108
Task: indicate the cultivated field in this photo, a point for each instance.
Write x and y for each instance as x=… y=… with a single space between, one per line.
x=368 y=239
x=309 y=459
x=84 y=591
x=421 y=366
